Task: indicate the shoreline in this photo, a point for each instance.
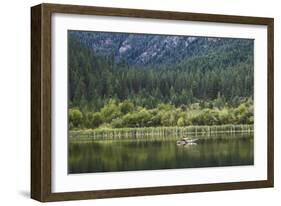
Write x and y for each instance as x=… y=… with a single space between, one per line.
x=126 y=133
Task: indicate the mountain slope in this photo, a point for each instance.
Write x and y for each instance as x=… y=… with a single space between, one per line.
x=206 y=70
x=144 y=49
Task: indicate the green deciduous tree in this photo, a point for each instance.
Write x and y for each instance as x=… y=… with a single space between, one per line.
x=75 y=118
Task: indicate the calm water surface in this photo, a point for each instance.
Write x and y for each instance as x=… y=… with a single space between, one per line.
x=159 y=153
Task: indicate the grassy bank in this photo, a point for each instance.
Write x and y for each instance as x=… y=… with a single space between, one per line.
x=125 y=133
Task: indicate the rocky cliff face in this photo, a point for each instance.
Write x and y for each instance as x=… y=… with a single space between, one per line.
x=147 y=49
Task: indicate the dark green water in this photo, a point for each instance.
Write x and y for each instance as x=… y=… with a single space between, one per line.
x=159 y=153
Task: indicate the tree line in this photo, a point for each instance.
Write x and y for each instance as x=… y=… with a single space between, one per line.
x=125 y=114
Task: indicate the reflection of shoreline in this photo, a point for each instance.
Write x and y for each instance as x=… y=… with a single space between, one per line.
x=147 y=154
x=161 y=132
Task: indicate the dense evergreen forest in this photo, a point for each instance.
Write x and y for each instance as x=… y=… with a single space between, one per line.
x=212 y=85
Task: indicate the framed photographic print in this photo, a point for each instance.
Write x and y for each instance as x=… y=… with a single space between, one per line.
x=130 y=102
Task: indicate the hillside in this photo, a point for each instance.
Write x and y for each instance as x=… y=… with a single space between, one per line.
x=148 y=70
x=140 y=49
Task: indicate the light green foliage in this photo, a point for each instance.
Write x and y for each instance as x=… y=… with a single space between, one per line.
x=137 y=119
x=126 y=115
x=181 y=122
x=117 y=123
x=75 y=118
x=244 y=113
x=126 y=107
x=96 y=120
x=110 y=111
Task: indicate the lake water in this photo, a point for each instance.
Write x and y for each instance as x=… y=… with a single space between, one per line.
x=160 y=153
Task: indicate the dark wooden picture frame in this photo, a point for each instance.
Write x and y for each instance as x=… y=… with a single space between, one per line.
x=41 y=117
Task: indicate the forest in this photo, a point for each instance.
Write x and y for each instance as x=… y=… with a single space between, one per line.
x=212 y=87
